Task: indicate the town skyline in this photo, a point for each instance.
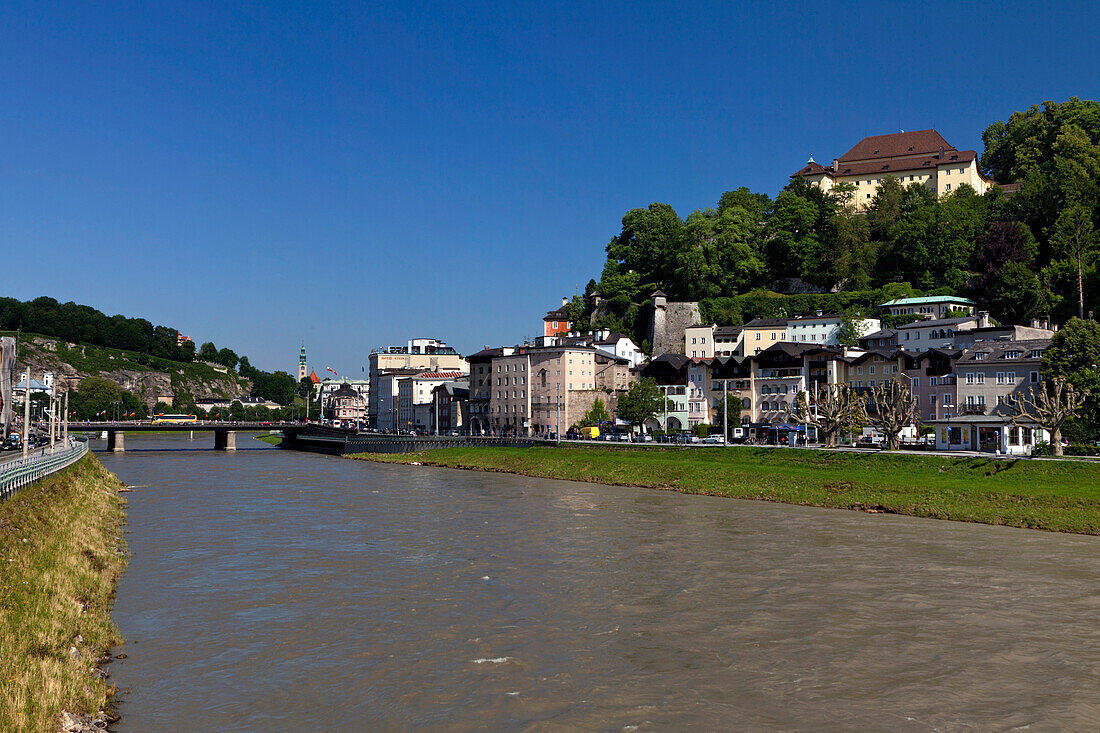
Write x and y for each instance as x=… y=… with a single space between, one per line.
x=360 y=177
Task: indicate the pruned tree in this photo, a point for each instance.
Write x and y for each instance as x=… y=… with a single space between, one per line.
x=1049 y=406
x=834 y=408
x=894 y=410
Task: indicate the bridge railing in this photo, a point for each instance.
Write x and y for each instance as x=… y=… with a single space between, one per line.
x=19 y=473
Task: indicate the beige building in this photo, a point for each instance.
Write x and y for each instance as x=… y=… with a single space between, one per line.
x=541 y=390
x=760 y=333
x=922 y=157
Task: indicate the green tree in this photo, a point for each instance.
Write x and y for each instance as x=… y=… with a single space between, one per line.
x=641 y=402
x=1014 y=294
x=728 y=410
x=208 y=352
x=851 y=328
x=227 y=357
x=597 y=415
x=1074 y=355
x=1075 y=240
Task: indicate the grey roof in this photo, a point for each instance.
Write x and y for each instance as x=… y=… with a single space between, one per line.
x=882 y=333
x=728 y=330
x=996 y=351
x=766 y=322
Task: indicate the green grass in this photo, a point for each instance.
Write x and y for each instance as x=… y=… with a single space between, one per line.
x=1050 y=495
x=272 y=439
x=61 y=553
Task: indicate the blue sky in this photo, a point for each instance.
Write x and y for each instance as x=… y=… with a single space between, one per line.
x=356 y=174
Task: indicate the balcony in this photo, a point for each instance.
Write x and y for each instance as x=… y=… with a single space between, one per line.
x=780 y=374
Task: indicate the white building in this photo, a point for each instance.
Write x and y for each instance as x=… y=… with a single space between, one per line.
x=414 y=397
x=823 y=329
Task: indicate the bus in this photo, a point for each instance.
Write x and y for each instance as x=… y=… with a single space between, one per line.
x=162 y=419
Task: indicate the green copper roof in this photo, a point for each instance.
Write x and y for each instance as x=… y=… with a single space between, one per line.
x=929 y=299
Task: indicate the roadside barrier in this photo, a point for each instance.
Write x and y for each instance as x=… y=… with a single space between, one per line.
x=22 y=472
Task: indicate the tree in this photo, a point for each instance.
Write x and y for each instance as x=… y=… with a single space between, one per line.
x=1074 y=355
x=305 y=388
x=96 y=394
x=1075 y=240
x=894 y=410
x=641 y=402
x=851 y=328
x=1004 y=242
x=1015 y=294
x=728 y=412
x=597 y=415
x=227 y=357
x=1050 y=406
x=208 y=352
x=834 y=409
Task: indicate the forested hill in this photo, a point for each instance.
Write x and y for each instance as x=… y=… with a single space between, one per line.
x=141 y=344
x=1030 y=253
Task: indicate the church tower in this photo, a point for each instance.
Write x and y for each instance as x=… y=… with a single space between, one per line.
x=303 y=370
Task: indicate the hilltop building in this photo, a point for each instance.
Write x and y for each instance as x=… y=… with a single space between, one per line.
x=922 y=157
x=556 y=321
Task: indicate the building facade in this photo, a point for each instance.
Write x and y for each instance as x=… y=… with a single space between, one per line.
x=922 y=157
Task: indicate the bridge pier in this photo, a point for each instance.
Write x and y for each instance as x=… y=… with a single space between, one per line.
x=225 y=440
x=116 y=441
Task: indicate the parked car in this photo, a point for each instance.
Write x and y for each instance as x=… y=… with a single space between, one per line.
x=714 y=439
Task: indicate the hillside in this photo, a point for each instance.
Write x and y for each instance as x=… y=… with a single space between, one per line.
x=147 y=377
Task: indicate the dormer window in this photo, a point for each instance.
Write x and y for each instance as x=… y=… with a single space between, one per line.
x=875 y=153
x=1012 y=354
x=980 y=356
x=885 y=167
x=910 y=148
x=1037 y=354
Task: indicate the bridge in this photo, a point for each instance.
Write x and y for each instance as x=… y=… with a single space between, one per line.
x=225 y=431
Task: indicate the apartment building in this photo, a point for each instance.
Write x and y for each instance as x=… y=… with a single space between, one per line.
x=481 y=384
x=990 y=370
x=421 y=354
x=414 y=397
x=932 y=382
x=921 y=157
x=707 y=341
x=761 y=333
x=541 y=390
x=824 y=328
x=450 y=407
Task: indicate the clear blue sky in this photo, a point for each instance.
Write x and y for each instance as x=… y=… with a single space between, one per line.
x=355 y=174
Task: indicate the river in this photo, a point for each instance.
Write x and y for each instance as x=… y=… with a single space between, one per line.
x=277 y=591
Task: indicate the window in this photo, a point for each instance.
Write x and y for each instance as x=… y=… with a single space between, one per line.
x=932 y=400
x=1012 y=354
x=758 y=336
x=933 y=381
x=773 y=335
x=970 y=378
x=1034 y=377
x=916 y=381
x=970 y=400
x=980 y=356
x=947 y=187
x=981 y=400
x=1000 y=377
x=1010 y=377
x=872 y=370
x=859 y=371
x=947 y=401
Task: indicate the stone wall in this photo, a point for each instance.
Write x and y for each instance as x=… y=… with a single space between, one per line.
x=667 y=325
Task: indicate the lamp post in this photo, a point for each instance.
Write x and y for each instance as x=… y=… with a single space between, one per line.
x=27 y=413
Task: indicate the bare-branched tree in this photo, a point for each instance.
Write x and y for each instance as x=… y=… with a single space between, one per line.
x=894 y=410
x=834 y=408
x=1049 y=406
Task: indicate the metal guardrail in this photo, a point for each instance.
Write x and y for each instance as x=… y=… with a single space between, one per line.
x=22 y=472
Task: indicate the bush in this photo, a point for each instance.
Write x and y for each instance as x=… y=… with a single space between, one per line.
x=1082 y=449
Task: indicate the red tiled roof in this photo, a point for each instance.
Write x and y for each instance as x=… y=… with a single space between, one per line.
x=898 y=165
x=441 y=375
x=897 y=144
x=811 y=168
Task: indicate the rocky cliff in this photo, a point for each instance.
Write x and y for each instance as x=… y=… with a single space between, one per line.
x=149 y=378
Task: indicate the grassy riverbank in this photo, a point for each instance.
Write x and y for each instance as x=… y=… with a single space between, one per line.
x=61 y=553
x=271 y=439
x=1051 y=495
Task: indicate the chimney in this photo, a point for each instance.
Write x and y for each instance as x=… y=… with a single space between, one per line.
x=941 y=153
x=836 y=165
x=565 y=301
x=983 y=319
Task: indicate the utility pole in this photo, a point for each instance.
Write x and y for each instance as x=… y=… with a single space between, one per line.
x=52 y=418
x=27 y=414
x=66 y=435
x=725 y=412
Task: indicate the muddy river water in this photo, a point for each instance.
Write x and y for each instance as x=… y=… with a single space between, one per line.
x=277 y=591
